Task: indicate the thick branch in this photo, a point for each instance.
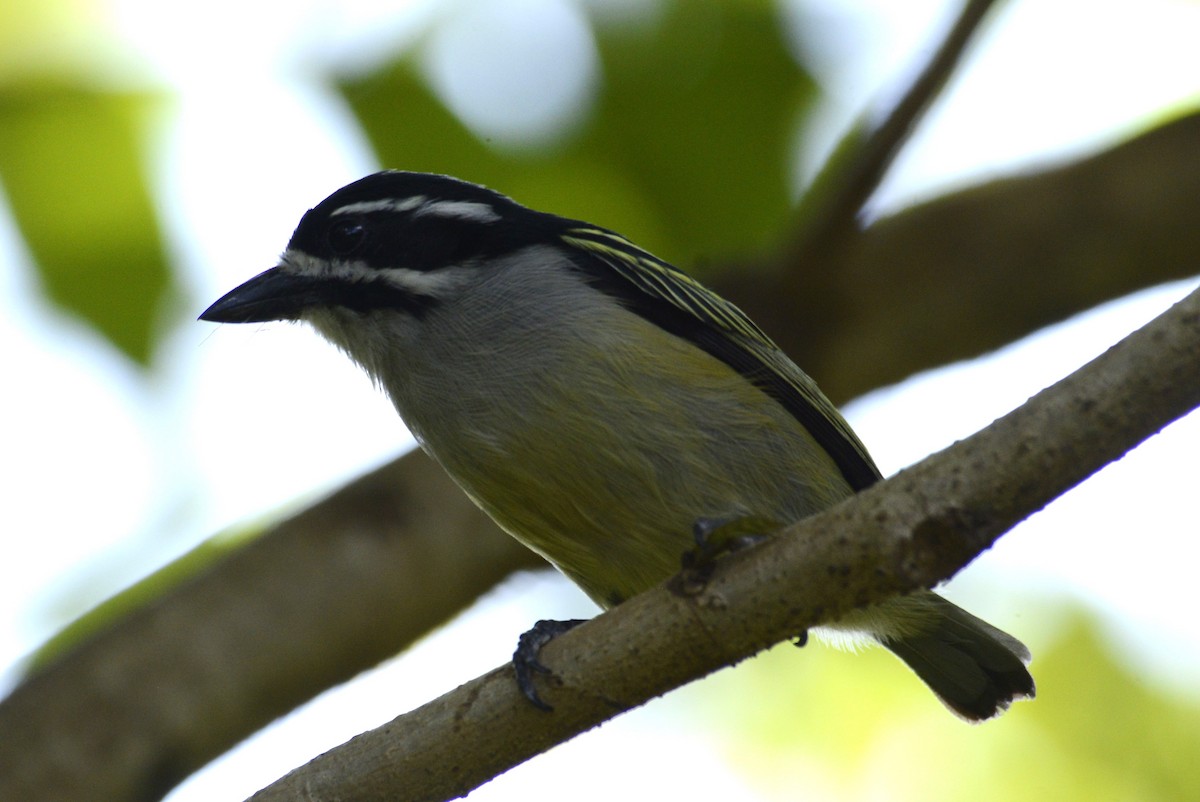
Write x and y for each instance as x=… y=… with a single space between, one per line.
x=131 y=713
x=974 y=270
x=909 y=532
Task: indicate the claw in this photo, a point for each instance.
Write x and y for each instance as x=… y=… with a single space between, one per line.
x=717 y=536
x=525 y=658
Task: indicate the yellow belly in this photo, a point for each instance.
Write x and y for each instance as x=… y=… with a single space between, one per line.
x=605 y=477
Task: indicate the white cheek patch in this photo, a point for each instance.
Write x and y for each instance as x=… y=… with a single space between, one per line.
x=463 y=210
x=441 y=283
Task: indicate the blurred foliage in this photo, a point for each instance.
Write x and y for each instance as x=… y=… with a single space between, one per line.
x=688 y=148
x=848 y=726
x=35 y=34
x=71 y=163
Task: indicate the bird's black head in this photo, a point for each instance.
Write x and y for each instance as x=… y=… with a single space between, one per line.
x=388 y=240
x=414 y=221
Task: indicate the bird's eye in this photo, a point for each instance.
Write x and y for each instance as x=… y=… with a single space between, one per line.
x=346 y=235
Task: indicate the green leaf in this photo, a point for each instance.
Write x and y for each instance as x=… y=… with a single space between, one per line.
x=687 y=149
x=71 y=165
x=704 y=112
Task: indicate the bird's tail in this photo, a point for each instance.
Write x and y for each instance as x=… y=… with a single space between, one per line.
x=973 y=667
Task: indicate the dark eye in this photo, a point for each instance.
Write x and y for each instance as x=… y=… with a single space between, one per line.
x=346 y=235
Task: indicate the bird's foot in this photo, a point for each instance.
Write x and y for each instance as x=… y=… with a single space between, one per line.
x=716 y=537
x=526 y=660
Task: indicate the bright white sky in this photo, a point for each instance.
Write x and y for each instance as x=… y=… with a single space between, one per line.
x=256 y=142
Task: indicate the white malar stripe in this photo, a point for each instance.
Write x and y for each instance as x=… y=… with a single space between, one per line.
x=465 y=210
x=384 y=205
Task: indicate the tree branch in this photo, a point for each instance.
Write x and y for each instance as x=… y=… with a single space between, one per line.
x=973 y=270
x=909 y=532
x=848 y=179
x=129 y=714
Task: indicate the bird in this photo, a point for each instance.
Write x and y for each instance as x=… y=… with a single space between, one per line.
x=599 y=404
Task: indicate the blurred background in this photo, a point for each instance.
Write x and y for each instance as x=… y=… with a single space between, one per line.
x=154 y=155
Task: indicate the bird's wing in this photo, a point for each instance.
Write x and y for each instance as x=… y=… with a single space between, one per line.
x=670 y=298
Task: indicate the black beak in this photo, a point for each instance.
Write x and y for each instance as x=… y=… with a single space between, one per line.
x=272 y=295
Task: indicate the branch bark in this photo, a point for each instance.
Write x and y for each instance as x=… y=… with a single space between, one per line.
x=909 y=532
x=129 y=714
x=976 y=269
x=829 y=211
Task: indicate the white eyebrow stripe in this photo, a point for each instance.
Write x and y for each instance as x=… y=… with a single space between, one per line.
x=384 y=205
x=465 y=210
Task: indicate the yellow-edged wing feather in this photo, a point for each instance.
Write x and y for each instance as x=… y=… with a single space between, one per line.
x=671 y=298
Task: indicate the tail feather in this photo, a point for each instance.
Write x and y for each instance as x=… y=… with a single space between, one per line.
x=974 y=668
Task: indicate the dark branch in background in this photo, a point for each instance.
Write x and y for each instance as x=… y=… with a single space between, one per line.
x=974 y=270
x=908 y=532
x=828 y=216
x=314 y=601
